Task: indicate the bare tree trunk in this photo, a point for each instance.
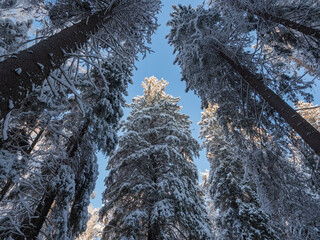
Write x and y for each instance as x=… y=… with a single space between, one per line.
x=32 y=66
x=306 y=131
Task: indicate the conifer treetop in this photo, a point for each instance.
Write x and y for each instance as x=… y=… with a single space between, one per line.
x=154 y=94
x=154 y=88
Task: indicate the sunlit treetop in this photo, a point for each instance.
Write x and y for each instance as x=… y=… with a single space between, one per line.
x=154 y=89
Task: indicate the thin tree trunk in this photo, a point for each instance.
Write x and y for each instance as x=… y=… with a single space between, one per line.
x=312 y=32
x=306 y=131
x=9 y=183
x=5 y=188
x=154 y=231
x=80 y=188
x=33 y=225
x=32 y=66
x=73 y=217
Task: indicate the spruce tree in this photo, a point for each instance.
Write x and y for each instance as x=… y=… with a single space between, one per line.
x=151 y=190
x=238 y=215
x=213 y=55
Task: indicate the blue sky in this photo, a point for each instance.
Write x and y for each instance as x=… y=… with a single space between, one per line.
x=160 y=65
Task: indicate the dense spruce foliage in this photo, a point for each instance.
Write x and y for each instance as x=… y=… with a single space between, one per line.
x=151 y=191
x=212 y=51
x=90 y=30
x=239 y=215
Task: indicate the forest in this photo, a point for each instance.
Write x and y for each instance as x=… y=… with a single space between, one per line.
x=65 y=70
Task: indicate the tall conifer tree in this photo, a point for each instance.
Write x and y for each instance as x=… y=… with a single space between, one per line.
x=151 y=191
x=238 y=214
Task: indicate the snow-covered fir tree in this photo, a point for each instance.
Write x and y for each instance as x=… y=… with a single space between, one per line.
x=238 y=215
x=124 y=34
x=310 y=112
x=302 y=157
x=285 y=192
x=151 y=190
x=214 y=55
x=51 y=197
x=206 y=40
x=205 y=188
x=288 y=31
x=94 y=227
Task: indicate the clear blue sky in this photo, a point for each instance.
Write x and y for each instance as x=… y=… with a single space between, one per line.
x=160 y=64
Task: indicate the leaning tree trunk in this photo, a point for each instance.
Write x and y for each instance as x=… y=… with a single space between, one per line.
x=75 y=210
x=306 y=131
x=32 y=66
x=32 y=228
x=309 y=31
x=10 y=182
x=33 y=224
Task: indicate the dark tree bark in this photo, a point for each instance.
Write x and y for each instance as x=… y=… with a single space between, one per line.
x=33 y=65
x=309 y=31
x=9 y=182
x=306 y=131
x=154 y=231
x=80 y=188
x=32 y=228
x=32 y=225
x=312 y=32
x=74 y=212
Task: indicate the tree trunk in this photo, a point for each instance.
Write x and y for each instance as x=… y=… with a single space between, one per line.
x=32 y=66
x=312 y=32
x=33 y=225
x=306 y=131
x=74 y=214
x=154 y=231
x=9 y=183
x=80 y=188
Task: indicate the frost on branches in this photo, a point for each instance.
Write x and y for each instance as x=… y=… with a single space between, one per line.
x=151 y=191
x=278 y=191
x=218 y=60
x=217 y=48
x=47 y=146
x=238 y=214
x=94 y=228
x=51 y=190
x=287 y=31
x=84 y=32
